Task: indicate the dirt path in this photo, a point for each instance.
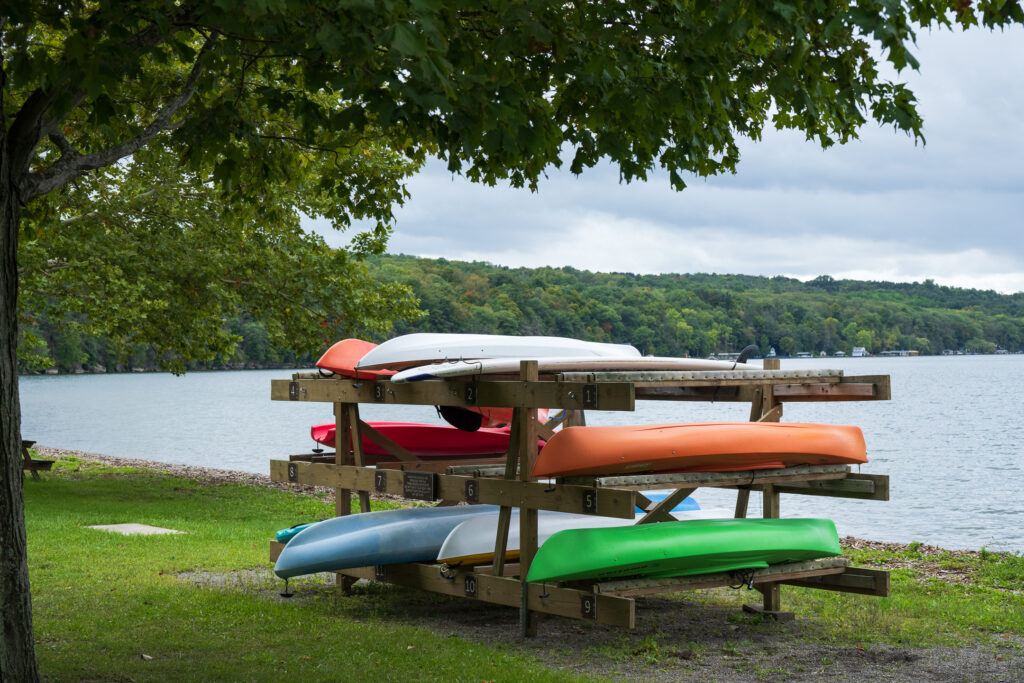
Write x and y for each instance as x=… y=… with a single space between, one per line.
x=679 y=638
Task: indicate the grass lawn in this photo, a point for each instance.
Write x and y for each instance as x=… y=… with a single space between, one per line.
x=113 y=607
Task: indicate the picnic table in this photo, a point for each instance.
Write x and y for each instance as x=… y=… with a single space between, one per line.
x=33 y=465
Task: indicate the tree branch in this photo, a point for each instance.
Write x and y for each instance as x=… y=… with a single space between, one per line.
x=58 y=139
x=72 y=163
x=33 y=120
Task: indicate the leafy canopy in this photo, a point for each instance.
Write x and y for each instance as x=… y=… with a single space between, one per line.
x=253 y=112
x=143 y=254
x=499 y=89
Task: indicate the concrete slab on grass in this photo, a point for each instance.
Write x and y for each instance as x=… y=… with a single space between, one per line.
x=135 y=529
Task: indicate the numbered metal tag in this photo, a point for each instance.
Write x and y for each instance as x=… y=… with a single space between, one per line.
x=590 y=502
x=471 y=585
x=469 y=394
x=379 y=392
x=293 y=391
x=590 y=396
x=380 y=481
x=380 y=573
x=472 y=490
x=588 y=606
x=293 y=472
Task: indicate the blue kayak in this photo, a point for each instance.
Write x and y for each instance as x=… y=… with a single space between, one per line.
x=657 y=495
x=373 y=538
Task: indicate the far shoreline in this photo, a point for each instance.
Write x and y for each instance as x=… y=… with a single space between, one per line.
x=233 y=367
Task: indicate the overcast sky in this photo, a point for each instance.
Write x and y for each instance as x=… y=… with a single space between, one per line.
x=878 y=208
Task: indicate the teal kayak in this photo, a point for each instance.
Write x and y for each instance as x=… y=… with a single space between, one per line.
x=285 y=535
x=701 y=546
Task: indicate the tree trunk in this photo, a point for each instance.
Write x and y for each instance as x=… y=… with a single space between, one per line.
x=17 y=649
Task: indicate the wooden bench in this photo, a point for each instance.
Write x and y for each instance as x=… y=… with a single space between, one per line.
x=33 y=465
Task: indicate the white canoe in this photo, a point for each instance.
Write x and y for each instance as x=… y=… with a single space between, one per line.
x=423 y=348
x=472 y=541
x=498 y=366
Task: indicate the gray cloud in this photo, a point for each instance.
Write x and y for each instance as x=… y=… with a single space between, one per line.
x=878 y=208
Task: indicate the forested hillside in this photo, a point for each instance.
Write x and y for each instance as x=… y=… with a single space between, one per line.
x=692 y=314
x=700 y=314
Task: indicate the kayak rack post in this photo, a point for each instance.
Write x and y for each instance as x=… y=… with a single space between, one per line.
x=347 y=444
x=505 y=513
x=766 y=408
x=771 y=592
x=525 y=421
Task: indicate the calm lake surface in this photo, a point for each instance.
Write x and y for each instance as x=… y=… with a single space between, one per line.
x=951 y=439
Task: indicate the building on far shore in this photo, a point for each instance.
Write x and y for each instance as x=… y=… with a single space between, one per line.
x=859 y=352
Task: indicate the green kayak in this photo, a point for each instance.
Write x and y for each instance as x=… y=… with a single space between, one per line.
x=700 y=546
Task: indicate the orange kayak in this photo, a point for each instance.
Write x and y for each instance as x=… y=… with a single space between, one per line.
x=341 y=359
x=702 y=447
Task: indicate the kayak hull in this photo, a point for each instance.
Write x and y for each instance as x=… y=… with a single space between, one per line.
x=681 y=548
x=423 y=348
x=585 y=363
x=342 y=357
x=698 y=447
x=423 y=440
x=372 y=538
x=472 y=541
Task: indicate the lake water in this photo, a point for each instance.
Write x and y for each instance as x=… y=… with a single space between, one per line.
x=951 y=439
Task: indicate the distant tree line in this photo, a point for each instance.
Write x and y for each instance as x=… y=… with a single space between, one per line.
x=50 y=345
x=700 y=314
x=677 y=315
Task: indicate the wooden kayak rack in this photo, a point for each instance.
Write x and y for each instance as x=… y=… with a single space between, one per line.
x=505 y=481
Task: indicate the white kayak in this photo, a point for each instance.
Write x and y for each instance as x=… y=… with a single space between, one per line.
x=472 y=541
x=423 y=348
x=499 y=366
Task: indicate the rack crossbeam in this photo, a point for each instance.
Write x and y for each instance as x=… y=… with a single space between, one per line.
x=512 y=493
x=776 y=573
x=716 y=479
x=568 y=395
x=503 y=590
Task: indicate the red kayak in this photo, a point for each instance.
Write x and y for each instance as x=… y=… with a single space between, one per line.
x=425 y=440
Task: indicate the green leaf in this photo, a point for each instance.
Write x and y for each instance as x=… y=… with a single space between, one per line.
x=408 y=41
